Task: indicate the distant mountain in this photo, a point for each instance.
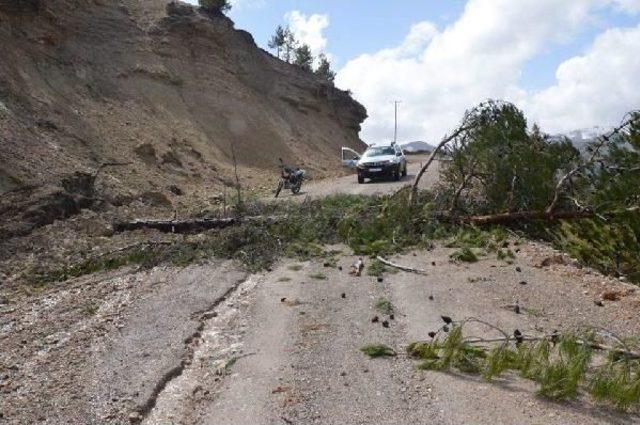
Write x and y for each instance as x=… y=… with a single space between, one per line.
x=417 y=147
x=582 y=137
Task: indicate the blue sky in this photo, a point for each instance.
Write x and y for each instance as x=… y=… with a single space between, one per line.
x=356 y=26
x=551 y=57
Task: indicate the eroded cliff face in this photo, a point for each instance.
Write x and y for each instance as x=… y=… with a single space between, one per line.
x=167 y=93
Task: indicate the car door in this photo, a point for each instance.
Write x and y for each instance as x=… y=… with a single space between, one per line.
x=349 y=157
x=400 y=153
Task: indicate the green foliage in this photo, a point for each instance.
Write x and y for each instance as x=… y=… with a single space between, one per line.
x=147 y=257
x=453 y=352
x=506 y=254
x=376 y=268
x=499 y=166
x=330 y=260
x=278 y=39
x=610 y=185
x=612 y=247
x=285 y=44
x=388 y=227
x=324 y=70
x=290 y=44
x=560 y=378
x=618 y=383
x=423 y=350
x=303 y=57
x=318 y=276
x=384 y=306
x=532 y=357
x=491 y=239
x=499 y=360
x=615 y=176
x=465 y=254
x=304 y=250
x=532 y=312
x=220 y=6
x=561 y=367
x=378 y=350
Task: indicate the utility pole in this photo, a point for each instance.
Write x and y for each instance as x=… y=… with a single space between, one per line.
x=395 y=131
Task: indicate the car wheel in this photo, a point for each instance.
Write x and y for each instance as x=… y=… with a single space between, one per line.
x=360 y=179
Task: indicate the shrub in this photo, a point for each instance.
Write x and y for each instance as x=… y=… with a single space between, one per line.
x=465 y=254
x=384 y=306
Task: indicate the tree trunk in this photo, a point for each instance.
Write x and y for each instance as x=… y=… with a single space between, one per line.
x=510 y=217
x=193 y=225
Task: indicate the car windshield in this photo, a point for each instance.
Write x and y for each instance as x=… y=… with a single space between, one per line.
x=380 y=151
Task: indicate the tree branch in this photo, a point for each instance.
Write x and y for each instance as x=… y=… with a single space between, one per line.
x=425 y=167
x=403 y=268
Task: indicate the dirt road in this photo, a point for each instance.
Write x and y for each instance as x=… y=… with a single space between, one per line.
x=349 y=184
x=211 y=345
x=291 y=339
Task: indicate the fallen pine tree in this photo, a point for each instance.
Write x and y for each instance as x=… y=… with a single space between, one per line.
x=191 y=225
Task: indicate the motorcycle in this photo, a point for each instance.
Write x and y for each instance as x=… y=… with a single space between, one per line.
x=290 y=178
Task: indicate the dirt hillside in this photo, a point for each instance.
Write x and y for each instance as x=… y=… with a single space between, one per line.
x=164 y=89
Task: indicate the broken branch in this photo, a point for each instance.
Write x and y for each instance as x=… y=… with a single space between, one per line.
x=400 y=267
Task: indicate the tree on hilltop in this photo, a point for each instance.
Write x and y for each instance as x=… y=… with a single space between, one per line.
x=278 y=40
x=303 y=57
x=216 y=6
x=290 y=45
x=324 y=69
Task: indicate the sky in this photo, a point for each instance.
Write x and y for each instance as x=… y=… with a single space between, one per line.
x=568 y=64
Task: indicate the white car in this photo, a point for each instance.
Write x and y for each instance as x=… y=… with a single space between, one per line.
x=379 y=161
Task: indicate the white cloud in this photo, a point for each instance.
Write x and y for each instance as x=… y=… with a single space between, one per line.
x=439 y=74
x=629 y=6
x=309 y=29
x=596 y=88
